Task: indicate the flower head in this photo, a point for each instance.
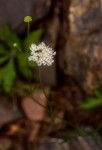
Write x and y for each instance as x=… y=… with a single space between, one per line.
x=27 y=19
x=41 y=54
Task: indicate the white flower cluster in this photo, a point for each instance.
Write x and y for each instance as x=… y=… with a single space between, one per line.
x=42 y=54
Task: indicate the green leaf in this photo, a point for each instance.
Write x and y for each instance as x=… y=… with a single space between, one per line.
x=97 y=93
x=24 y=66
x=9 y=37
x=7 y=76
x=3 y=54
x=3 y=59
x=34 y=37
x=3 y=51
x=91 y=103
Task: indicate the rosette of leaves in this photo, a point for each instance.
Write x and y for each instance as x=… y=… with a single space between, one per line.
x=14 y=62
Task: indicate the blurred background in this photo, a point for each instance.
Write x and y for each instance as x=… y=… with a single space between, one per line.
x=72 y=110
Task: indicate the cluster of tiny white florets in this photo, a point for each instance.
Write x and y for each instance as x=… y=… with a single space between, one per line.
x=42 y=54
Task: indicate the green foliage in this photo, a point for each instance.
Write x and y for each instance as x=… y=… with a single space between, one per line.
x=8 y=38
x=12 y=61
x=7 y=76
x=34 y=37
x=25 y=67
x=93 y=101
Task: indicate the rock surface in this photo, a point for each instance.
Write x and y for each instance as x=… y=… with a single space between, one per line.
x=14 y=11
x=5 y=143
x=82 y=143
x=7 y=113
x=34 y=107
x=81 y=56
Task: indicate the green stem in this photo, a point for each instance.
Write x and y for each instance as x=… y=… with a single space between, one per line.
x=50 y=107
x=40 y=78
x=28 y=29
x=28 y=72
x=19 y=49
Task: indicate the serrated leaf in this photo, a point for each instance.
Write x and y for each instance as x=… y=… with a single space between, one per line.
x=34 y=37
x=7 y=76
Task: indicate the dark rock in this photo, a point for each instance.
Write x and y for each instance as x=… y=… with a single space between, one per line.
x=86 y=143
x=83 y=58
x=14 y=11
x=52 y=144
x=7 y=113
x=81 y=143
x=81 y=55
x=5 y=143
